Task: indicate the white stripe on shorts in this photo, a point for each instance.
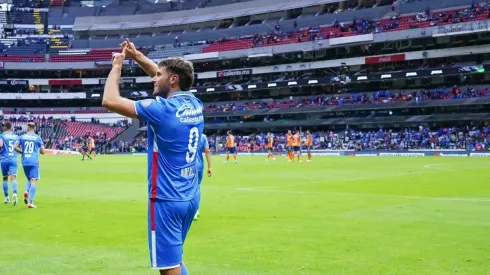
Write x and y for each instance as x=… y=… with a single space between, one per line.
x=153 y=249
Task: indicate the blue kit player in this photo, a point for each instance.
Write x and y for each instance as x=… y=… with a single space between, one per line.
x=8 y=155
x=203 y=148
x=175 y=124
x=30 y=145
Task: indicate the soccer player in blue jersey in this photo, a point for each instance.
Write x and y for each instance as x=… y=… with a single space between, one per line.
x=175 y=124
x=203 y=148
x=30 y=146
x=8 y=156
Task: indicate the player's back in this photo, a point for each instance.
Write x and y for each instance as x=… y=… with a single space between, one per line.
x=7 y=153
x=230 y=141
x=296 y=140
x=174 y=133
x=30 y=143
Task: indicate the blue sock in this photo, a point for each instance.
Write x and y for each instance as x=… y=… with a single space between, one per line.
x=32 y=193
x=28 y=186
x=14 y=186
x=184 y=270
x=6 y=188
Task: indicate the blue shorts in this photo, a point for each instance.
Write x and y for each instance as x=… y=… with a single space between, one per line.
x=296 y=148
x=231 y=150
x=9 y=168
x=32 y=172
x=308 y=148
x=168 y=225
x=289 y=148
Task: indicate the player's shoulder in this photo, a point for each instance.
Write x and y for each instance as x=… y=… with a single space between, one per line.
x=152 y=102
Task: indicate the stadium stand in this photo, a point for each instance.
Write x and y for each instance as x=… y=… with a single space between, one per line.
x=366 y=98
x=57 y=132
x=267 y=33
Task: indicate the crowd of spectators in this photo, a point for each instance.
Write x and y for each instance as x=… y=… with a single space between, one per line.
x=362 y=98
x=470 y=138
x=26 y=5
x=361 y=26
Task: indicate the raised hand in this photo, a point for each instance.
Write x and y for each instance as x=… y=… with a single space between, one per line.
x=131 y=51
x=118 y=58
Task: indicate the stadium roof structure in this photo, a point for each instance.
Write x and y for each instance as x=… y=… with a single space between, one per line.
x=190 y=16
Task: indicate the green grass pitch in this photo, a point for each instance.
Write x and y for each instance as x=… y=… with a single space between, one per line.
x=345 y=215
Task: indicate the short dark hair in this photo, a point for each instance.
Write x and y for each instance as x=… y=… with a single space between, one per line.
x=7 y=125
x=181 y=67
x=31 y=125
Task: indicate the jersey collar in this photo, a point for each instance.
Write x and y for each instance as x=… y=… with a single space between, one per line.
x=181 y=93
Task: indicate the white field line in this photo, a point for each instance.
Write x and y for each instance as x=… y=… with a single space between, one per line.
x=372 y=195
x=431 y=166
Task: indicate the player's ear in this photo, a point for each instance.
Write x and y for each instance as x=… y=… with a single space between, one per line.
x=174 y=79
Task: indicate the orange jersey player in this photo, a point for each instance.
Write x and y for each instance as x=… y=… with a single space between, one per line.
x=289 y=146
x=230 y=147
x=91 y=147
x=297 y=145
x=270 y=143
x=309 y=144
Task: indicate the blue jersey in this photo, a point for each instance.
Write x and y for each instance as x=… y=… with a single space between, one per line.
x=200 y=150
x=175 y=126
x=30 y=144
x=7 y=152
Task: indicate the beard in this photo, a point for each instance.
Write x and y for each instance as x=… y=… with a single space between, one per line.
x=163 y=89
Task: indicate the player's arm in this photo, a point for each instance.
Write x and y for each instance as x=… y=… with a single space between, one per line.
x=18 y=147
x=1 y=143
x=207 y=153
x=42 y=150
x=144 y=62
x=112 y=99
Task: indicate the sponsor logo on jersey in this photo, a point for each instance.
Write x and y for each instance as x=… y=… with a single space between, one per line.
x=189 y=114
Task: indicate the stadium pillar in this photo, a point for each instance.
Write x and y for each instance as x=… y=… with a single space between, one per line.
x=342 y=5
